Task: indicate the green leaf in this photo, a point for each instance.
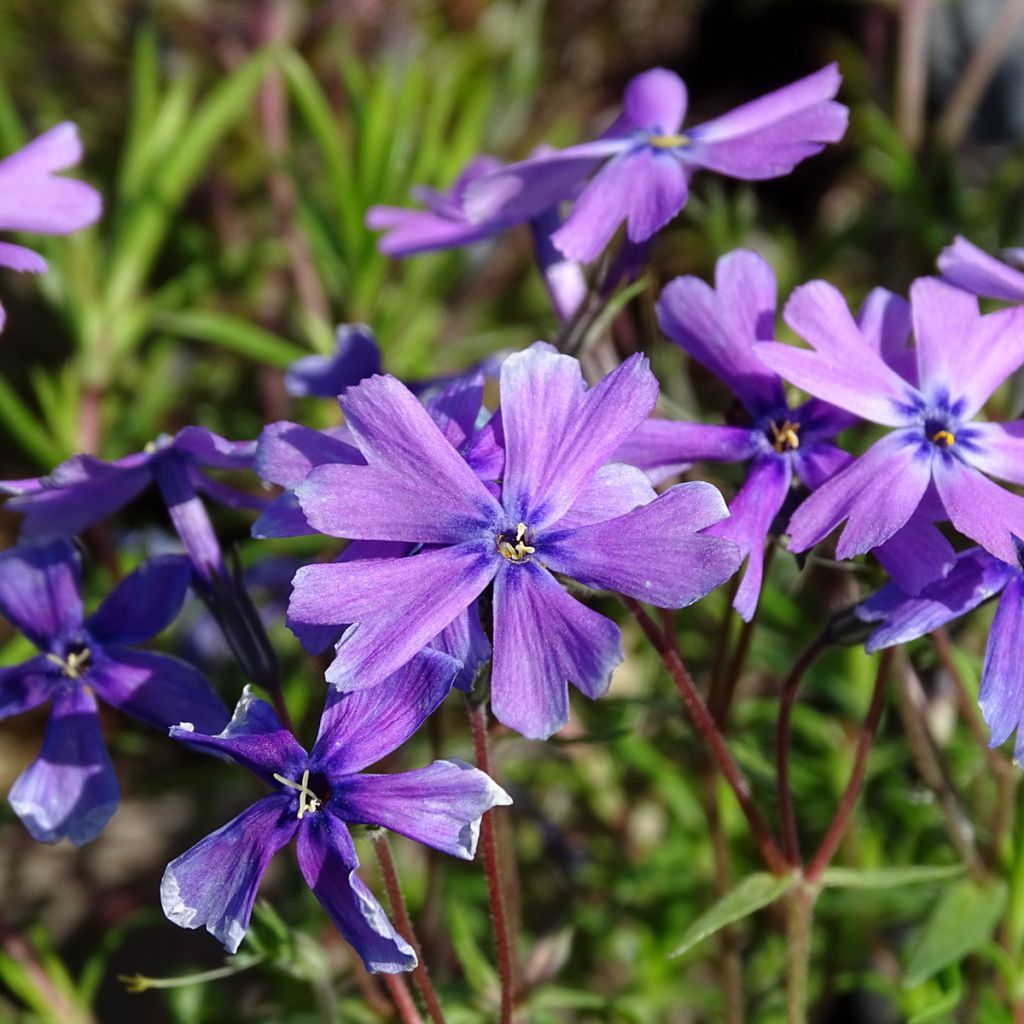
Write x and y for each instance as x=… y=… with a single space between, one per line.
x=230 y=332
x=26 y=429
x=753 y=893
x=963 y=920
x=943 y=1006
x=889 y=878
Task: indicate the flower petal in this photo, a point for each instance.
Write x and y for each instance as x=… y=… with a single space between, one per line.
x=26 y=686
x=254 y=738
x=328 y=862
x=209 y=449
x=464 y=640
x=997 y=449
x=399 y=604
x=144 y=603
x=655 y=101
x=718 y=326
x=213 y=885
x=40 y=587
x=70 y=790
x=916 y=555
x=176 y=480
x=358 y=728
x=356 y=357
x=157 y=688
x=543 y=638
x=614 y=490
x=558 y=433
x=654 y=553
x=965 y=265
x=440 y=805
x=945 y=320
x=885 y=322
x=1002 y=675
x=997 y=350
x=286 y=452
x=17 y=257
x=663 y=448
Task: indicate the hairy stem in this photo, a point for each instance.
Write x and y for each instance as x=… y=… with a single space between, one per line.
x=821 y=860
x=420 y=974
x=402 y=998
x=503 y=938
x=799 y=920
x=705 y=725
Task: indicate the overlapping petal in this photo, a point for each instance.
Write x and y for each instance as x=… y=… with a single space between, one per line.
x=1002 y=675
x=39 y=591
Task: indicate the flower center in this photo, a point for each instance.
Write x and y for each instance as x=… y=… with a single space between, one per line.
x=514 y=546
x=937 y=431
x=75 y=665
x=309 y=799
x=668 y=141
x=784 y=438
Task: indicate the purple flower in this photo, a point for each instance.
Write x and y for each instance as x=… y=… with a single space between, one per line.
x=33 y=198
x=719 y=327
x=644 y=163
x=975 y=578
x=937 y=456
x=561 y=509
x=316 y=796
x=444 y=224
x=70 y=789
x=83 y=490
x=356 y=357
x=965 y=265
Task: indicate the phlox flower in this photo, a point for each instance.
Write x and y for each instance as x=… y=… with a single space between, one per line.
x=719 y=327
x=33 y=198
x=315 y=797
x=640 y=168
x=938 y=456
x=70 y=789
x=560 y=509
x=976 y=577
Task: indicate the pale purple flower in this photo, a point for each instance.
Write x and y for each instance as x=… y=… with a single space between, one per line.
x=975 y=578
x=562 y=509
x=965 y=265
x=35 y=199
x=640 y=169
x=70 y=789
x=938 y=456
x=314 y=799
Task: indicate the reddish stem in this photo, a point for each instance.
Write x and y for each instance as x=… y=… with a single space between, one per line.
x=705 y=725
x=420 y=975
x=507 y=969
x=402 y=998
x=830 y=843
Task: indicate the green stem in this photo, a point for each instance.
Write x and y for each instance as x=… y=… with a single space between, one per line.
x=799 y=919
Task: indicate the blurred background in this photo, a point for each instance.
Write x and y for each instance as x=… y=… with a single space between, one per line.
x=238 y=146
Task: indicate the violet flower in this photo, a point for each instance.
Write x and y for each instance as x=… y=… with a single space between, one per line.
x=965 y=265
x=937 y=456
x=316 y=796
x=83 y=490
x=561 y=510
x=644 y=162
x=355 y=358
x=976 y=577
x=719 y=327
x=70 y=789
x=444 y=224
x=33 y=198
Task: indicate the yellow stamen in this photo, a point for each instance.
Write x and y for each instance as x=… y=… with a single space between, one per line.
x=943 y=438
x=785 y=437
x=74 y=665
x=309 y=802
x=668 y=141
x=516 y=552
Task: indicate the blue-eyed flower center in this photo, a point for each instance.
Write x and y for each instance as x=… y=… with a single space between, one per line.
x=74 y=664
x=313 y=791
x=515 y=546
x=784 y=436
x=937 y=431
x=668 y=141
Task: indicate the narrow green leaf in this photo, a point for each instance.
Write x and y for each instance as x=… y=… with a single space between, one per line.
x=943 y=1006
x=26 y=429
x=229 y=332
x=963 y=920
x=753 y=893
x=889 y=878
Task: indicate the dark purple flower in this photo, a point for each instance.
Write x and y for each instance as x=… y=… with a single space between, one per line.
x=561 y=509
x=644 y=163
x=965 y=265
x=70 y=789
x=976 y=577
x=33 y=198
x=719 y=327
x=83 y=490
x=316 y=796
x=444 y=225
x=938 y=455
x=356 y=357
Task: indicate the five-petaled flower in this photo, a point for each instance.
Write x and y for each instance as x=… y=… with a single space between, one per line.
x=644 y=161
x=562 y=509
x=70 y=789
x=316 y=796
